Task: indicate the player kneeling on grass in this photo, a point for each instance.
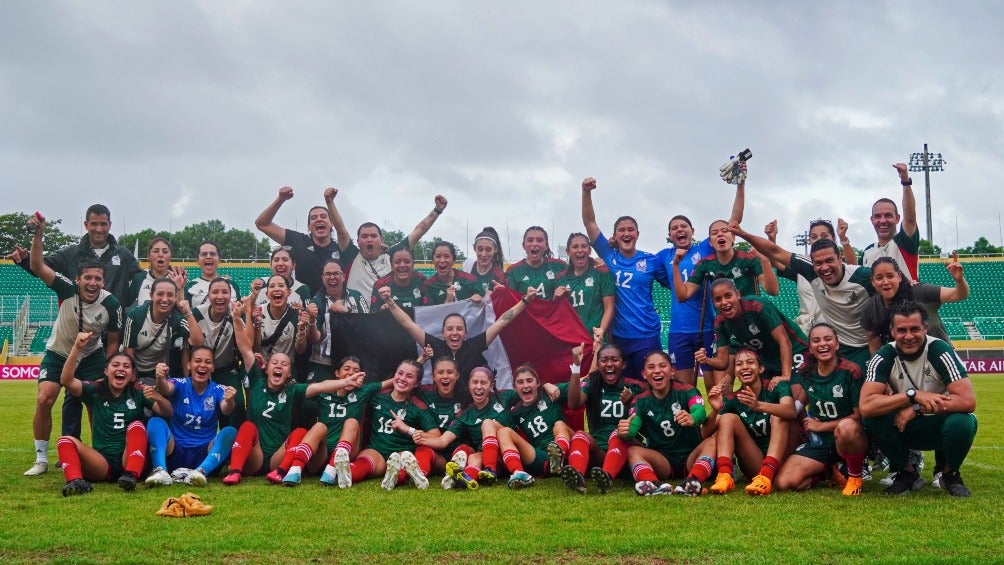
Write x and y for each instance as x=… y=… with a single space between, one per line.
x=828 y=386
x=398 y=421
x=669 y=416
x=478 y=424
x=930 y=406
x=607 y=395
x=538 y=417
x=188 y=444
x=117 y=433
x=751 y=423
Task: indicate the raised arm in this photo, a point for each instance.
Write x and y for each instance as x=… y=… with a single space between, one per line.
x=341 y=232
x=850 y=256
x=195 y=337
x=264 y=222
x=495 y=329
x=426 y=223
x=739 y=202
x=769 y=249
x=164 y=385
x=909 y=201
x=71 y=383
x=409 y=325
x=683 y=289
x=961 y=290
x=332 y=386
x=588 y=213
x=242 y=335
x=719 y=362
x=36 y=259
x=574 y=391
x=768 y=279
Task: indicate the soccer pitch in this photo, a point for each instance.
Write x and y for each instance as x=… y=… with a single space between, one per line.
x=260 y=523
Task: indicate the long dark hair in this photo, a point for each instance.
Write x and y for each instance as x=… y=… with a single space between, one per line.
x=904 y=294
x=547 y=241
x=593 y=400
x=811 y=364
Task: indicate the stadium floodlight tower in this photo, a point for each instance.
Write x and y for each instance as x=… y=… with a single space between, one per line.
x=803 y=240
x=927 y=162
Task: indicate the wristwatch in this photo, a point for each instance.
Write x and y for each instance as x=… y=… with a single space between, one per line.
x=911 y=395
x=916 y=407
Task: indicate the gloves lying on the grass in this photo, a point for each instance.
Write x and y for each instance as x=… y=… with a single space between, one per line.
x=184 y=506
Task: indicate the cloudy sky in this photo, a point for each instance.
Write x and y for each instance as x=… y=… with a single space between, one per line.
x=178 y=112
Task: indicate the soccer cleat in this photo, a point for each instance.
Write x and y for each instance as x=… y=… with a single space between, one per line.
x=459 y=477
x=573 y=479
x=853 y=486
x=916 y=458
x=414 y=471
x=342 y=471
x=197 y=478
x=328 y=478
x=292 y=477
x=38 y=468
x=648 y=488
x=723 y=484
x=127 y=481
x=760 y=486
x=487 y=476
x=233 y=477
x=159 y=477
x=520 y=479
x=76 y=486
x=554 y=457
x=394 y=465
x=936 y=483
x=274 y=477
x=952 y=482
x=460 y=458
x=181 y=475
x=903 y=483
x=891 y=478
x=604 y=482
x=837 y=477
x=689 y=487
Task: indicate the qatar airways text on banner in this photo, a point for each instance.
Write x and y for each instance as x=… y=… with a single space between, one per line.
x=983 y=366
x=18 y=372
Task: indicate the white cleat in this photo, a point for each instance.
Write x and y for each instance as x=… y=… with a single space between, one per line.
x=159 y=477
x=39 y=468
x=411 y=467
x=342 y=470
x=394 y=465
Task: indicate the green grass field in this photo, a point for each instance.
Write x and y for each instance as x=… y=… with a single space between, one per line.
x=259 y=523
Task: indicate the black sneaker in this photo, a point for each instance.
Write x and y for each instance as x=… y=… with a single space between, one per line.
x=127 y=481
x=903 y=483
x=603 y=480
x=952 y=482
x=76 y=486
x=573 y=479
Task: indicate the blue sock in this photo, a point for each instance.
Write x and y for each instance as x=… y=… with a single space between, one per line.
x=219 y=451
x=158 y=435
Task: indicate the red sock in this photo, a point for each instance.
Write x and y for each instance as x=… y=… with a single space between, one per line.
x=725 y=465
x=643 y=472
x=855 y=464
x=616 y=456
x=512 y=460
x=562 y=443
x=360 y=468
x=472 y=471
x=292 y=441
x=702 y=468
x=578 y=454
x=347 y=446
x=769 y=467
x=247 y=438
x=490 y=452
x=301 y=454
x=425 y=456
x=69 y=457
x=135 y=448
x=463 y=448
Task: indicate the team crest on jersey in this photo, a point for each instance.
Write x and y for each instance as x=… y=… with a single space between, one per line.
x=497 y=407
x=416 y=293
x=185 y=401
x=550 y=275
x=282 y=398
x=208 y=405
x=641 y=265
x=736 y=272
x=116 y=260
x=456 y=408
x=131 y=404
x=352 y=397
x=541 y=405
x=695 y=257
x=838 y=391
x=334 y=255
x=852 y=297
x=98 y=317
x=589 y=281
x=676 y=408
x=753 y=329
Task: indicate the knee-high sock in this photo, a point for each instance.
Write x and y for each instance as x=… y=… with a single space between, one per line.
x=301 y=453
x=643 y=472
x=725 y=465
x=292 y=440
x=769 y=466
x=135 y=448
x=490 y=452
x=616 y=456
x=340 y=445
x=563 y=443
x=69 y=457
x=219 y=450
x=247 y=438
x=855 y=464
x=360 y=468
x=578 y=455
x=425 y=456
x=512 y=460
x=159 y=435
x=702 y=468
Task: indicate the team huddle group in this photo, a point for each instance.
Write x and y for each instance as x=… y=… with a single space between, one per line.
x=195 y=374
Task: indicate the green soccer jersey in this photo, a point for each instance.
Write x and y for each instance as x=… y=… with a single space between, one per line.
x=743 y=269
x=521 y=276
x=443 y=409
x=537 y=420
x=661 y=431
x=757 y=423
x=335 y=409
x=587 y=291
x=609 y=410
x=110 y=416
x=272 y=411
x=833 y=396
x=434 y=290
x=758 y=317
x=467 y=424
x=383 y=408
x=406 y=296
x=486 y=282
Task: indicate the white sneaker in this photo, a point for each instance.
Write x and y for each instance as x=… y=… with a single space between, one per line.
x=39 y=468
x=159 y=477
x=411 y=467
x=197 y=478
x=394 y=465
x=180 y=475
x=342 y=470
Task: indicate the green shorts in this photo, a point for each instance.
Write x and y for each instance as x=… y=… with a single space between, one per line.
x=89 y=369
x=318 y=372
x=825 y=454
x=539 y=467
